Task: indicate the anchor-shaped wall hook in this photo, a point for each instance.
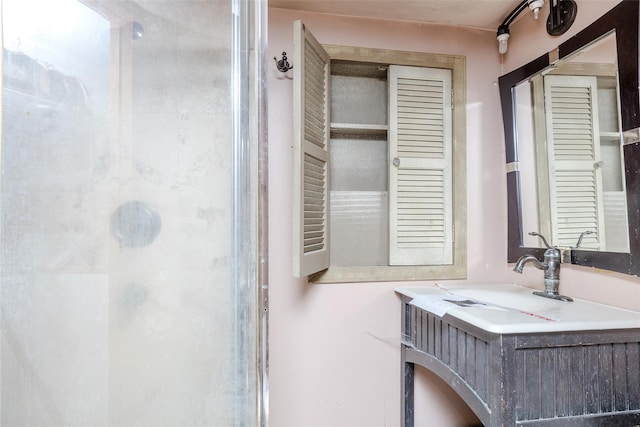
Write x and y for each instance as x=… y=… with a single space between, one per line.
x=283 y=64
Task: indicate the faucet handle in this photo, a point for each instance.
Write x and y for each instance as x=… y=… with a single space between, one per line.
x=584 y=233
x=533 y=233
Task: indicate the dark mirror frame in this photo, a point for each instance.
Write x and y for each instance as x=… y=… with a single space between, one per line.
x=623 y=18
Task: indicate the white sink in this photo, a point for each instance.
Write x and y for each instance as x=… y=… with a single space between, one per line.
x=514 y=309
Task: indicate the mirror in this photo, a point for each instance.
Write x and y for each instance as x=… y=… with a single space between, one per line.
x=571 y=134
x=570 y=151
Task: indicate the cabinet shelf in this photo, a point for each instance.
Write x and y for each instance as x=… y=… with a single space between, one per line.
x=611 y=136
x=358 y=128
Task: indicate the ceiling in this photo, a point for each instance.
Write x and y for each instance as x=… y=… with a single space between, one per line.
x=482 y=14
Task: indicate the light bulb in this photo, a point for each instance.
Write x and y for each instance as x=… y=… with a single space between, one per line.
x=502 y=43
x=535 y=6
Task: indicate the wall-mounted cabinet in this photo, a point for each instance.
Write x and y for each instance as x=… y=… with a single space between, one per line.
x=379 y=145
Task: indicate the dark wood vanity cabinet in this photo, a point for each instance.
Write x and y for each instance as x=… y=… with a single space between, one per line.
x=578 y=378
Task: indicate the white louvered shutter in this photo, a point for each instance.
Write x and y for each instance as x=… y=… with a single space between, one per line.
x=420 y=178
x=573 y=144
x=311 y=154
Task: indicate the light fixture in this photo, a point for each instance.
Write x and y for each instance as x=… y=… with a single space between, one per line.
x=503 y=37
x=503 y=29
x=535 y=6
x=562 y=13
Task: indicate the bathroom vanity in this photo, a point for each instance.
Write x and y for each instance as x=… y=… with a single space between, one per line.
x=522 y=360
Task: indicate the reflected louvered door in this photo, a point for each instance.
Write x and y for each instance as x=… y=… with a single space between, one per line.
x=574 y=154
x=311 y=155
x=420 y=180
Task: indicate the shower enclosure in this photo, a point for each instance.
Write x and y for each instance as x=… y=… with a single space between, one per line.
x=130 y=243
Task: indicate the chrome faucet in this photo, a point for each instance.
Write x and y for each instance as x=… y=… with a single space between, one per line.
x=551 y=267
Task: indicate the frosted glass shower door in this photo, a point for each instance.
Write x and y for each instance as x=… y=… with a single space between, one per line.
x=119 y=300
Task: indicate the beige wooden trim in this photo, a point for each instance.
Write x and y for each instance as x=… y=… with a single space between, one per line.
x=395 y=57
x=459 y=71
x=458 y=270
x=391 y=273
x=542 y=160
x=585 y=69
x=631 y=136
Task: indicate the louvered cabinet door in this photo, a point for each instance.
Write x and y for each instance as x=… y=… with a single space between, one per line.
x=575 y=177
x=311 y=154
x=420 y=173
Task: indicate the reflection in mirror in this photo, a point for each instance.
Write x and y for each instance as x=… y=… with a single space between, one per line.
x=569 y=143
x=622 y=254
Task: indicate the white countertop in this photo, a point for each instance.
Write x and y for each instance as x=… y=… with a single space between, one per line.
x=514 y=309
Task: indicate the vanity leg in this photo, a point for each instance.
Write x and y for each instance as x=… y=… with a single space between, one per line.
x=406 y=392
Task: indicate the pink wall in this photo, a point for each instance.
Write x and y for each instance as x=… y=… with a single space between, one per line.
x=334 y=349
x=529 y=38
